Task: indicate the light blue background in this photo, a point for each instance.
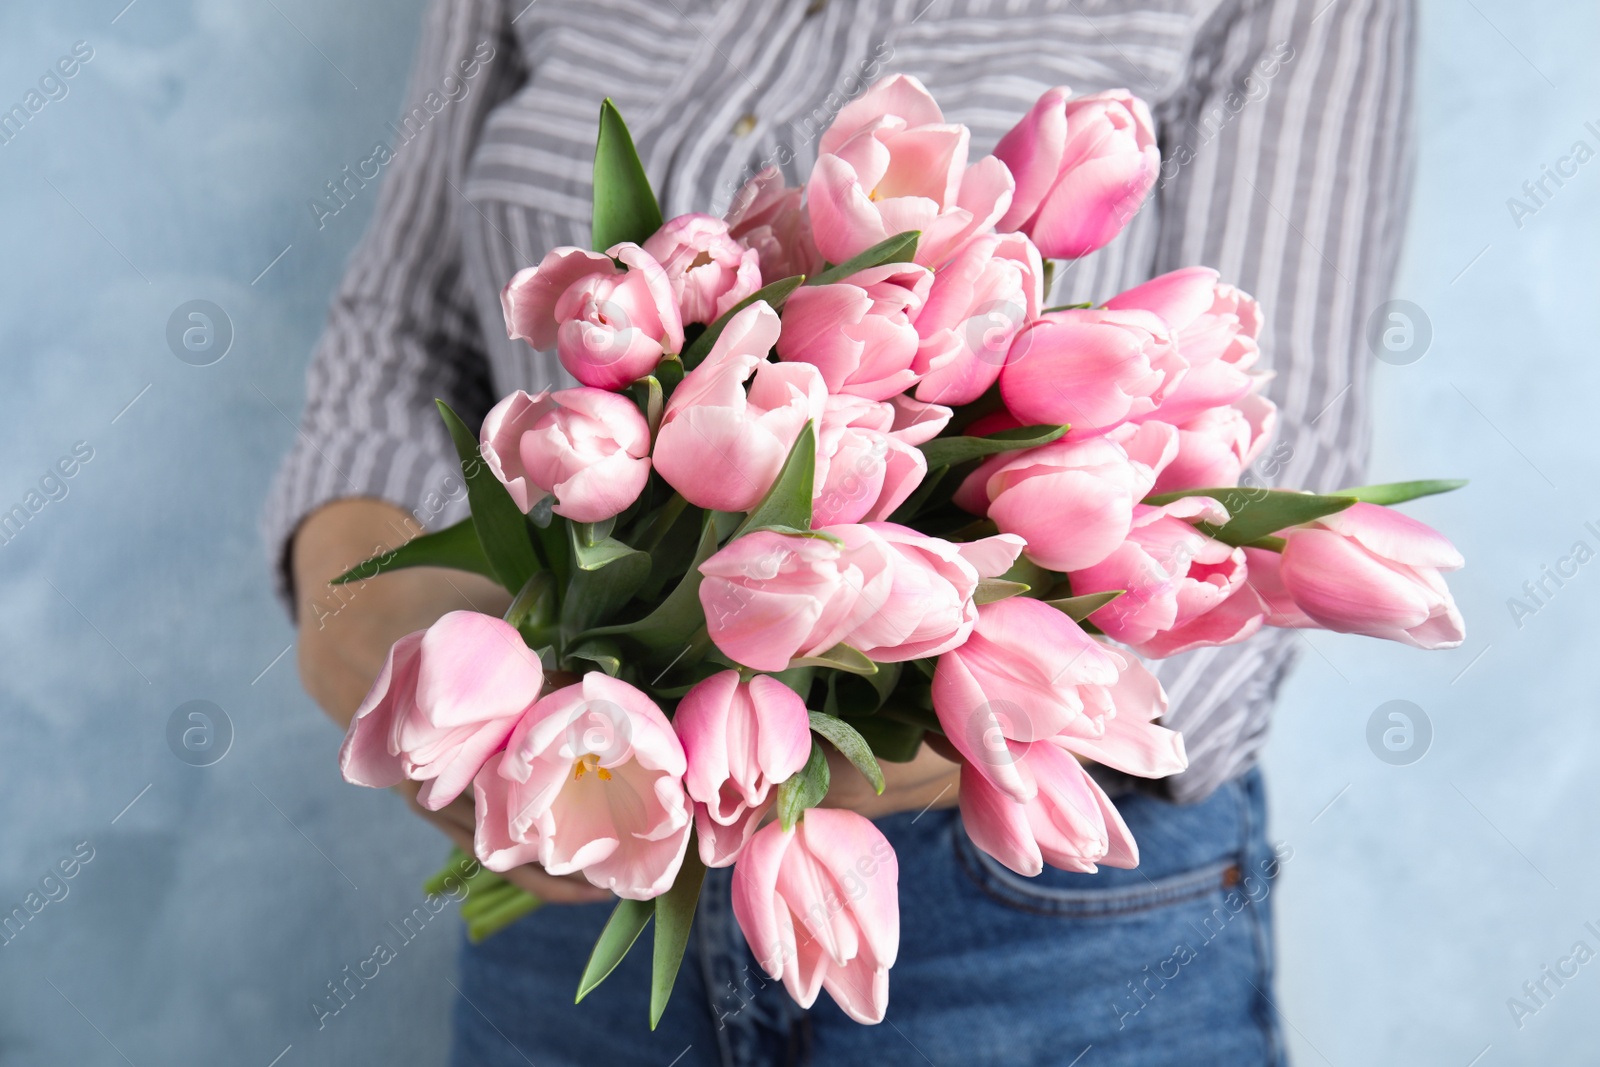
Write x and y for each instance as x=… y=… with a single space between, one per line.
x=1419 y=898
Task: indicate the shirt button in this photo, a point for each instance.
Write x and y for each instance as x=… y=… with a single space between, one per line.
x=745 y=125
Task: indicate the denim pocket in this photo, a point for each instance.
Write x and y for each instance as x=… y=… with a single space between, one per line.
x=1045 y=895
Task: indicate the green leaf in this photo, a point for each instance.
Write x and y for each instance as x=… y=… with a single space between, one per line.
x=907 y=512
x=1079 y=608
x=1038 y=580
x=901 y=248
x=676 y=619
x=840 y=658
x=1069 y=307
x=652 y=400
x=509 y=907
x=860 y=694
x=804 y=790
x=535 y=610
x=625 y=208
x=674 y=916
x=945 y=451
x=788 y=502
x=603 y=653
x=891 y=740
x=1400 y=492
x=501 y=526
x=1255 y=513
x=695 y=352
x=622 y=930
x=455 y=547
x=851 y=745
x=992 y=589
x=606 y=576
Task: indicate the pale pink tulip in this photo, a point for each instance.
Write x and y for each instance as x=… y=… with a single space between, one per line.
x=588 y=447
x=722 y=447
x=1175 y=580
x=772 y=597
x=1217 y=445
x=1083 y=165
x=890 y=163
x=609 y=324
x=1371 y=570
x=859 y=332
x=865 y=467
x=1071 y=501
x=1090 y=367
x=1215 y=327
x=591 y=782
x=978 y=304
x=768 y=216
x=929 y=608
x=1068 y=821
x=742 y=739
x=708 y=270
x=1025 y=674
x=1263 y=577
x=820 y=907
x=446 y=700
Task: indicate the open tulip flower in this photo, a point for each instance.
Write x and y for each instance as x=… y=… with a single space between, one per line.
x=837 y=481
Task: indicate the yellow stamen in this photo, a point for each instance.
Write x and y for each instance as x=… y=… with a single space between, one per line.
x=590 y=761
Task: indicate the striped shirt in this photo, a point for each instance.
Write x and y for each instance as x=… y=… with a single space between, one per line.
x=1285 y=135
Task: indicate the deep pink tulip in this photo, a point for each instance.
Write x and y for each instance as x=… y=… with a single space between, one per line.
x=865 y=466
x=978 y=304
x=446 y=700
x=591 y=782
x=1090 y=367
x=820 y=907
x=772 y=597
x=609 y=324
x=929 y=608
x=742 y=740
x=1067 y=821
x=1371 y=570
x=588 y=447
x=721 y=446
x=708 y=270
x=1176 y=578
x=1071 y=501
x=1215 y=327
x=890 y=163
x=859 y=332
x=1083 y=166
x=769 y=217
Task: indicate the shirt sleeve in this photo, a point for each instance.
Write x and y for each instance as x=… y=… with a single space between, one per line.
x=1286 y=166
x=401 y=330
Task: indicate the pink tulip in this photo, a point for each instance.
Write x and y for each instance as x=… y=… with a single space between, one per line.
x=1370 y=570
x=591 y=781
x=859 y=332
x=978 y=304
x=1215 y=327
x=771 y=597
x=1264 y=578
x=589 y=447
x=722 y=447
x=446 y=700
x=1067 y=820
x=768 y=216
x=1176 y=580
x=865 y=467
x=742 y=739
x=1090 y=367
x=609 y=324
x=1083 y=165
x=1216 y=446
x=1071 y=501
x=890 y=163
x=929 y=608
x=708 y=270
x=820 y=907
x=1025 y=674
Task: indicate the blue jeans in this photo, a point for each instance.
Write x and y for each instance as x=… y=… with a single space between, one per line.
x=1167 y=964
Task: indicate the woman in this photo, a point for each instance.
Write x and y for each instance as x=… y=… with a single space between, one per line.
x=1285 y=141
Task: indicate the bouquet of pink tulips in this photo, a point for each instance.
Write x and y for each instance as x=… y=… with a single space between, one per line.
x=835 y=477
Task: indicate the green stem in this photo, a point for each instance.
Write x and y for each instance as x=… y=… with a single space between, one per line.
x=515 y=907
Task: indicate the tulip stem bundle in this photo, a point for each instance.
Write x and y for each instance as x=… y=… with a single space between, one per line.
x=837 y=478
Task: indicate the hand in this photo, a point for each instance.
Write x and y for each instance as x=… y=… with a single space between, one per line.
x=346 y=631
